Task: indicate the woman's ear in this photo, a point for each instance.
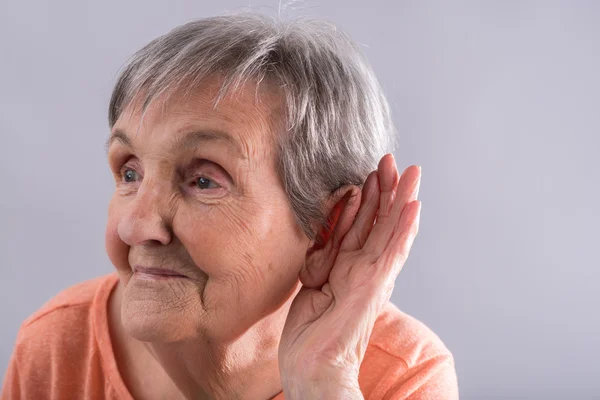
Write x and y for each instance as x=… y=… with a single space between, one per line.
x=341 y=208
x=344 y=198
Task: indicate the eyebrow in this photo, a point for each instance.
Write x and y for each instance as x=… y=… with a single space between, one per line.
x=184 y=142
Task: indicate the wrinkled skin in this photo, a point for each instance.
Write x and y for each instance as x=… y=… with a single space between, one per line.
x=215 y=212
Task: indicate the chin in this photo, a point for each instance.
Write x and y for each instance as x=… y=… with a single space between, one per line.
x=153 y=318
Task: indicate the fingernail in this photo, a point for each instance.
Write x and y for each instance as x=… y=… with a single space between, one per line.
x=418 y=185
x=393 y=158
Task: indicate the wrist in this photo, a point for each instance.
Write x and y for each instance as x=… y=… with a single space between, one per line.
x=322 y=388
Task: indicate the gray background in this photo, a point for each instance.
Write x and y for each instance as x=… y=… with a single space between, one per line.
x=497 y=101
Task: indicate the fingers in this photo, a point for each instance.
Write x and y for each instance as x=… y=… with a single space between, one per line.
x=408 y=227
x=344 y=222
x=397 y=252
x=388 y=182
x=383 y=199
x=387 y=219
x=358 y=233
x=378 y=194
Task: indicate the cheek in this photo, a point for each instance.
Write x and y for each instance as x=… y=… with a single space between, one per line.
x=212 y=238
x=251 y=254
x=117 y=250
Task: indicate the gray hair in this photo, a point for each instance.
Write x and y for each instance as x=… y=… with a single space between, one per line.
x=337 y=124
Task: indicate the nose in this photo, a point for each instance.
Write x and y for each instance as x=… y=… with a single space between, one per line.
x=145 y=220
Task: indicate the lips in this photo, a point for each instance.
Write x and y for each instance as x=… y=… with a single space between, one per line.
x=157 y=272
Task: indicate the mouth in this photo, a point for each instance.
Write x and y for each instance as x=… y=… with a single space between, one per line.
x=156 y=273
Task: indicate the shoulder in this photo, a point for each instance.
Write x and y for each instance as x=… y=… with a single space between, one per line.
x=68 y=306
x=405 y=337
x=81 y=293
x=56 y=350
x=405 y=357
x=62 y=326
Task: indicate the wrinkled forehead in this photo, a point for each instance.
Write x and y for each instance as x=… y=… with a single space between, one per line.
x=252 y=113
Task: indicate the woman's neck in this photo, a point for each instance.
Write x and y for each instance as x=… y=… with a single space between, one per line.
x=245 y=369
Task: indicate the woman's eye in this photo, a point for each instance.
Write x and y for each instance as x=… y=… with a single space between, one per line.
x=205 y=183
x=130 y=175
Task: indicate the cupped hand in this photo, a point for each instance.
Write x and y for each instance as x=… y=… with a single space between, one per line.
x=346 y=283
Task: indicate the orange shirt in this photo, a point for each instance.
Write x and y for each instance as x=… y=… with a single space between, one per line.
x=64 y=351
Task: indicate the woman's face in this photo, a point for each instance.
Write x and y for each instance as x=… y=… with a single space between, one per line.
x=198 y=195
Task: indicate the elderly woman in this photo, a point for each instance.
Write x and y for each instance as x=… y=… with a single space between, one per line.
x=255 y=228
